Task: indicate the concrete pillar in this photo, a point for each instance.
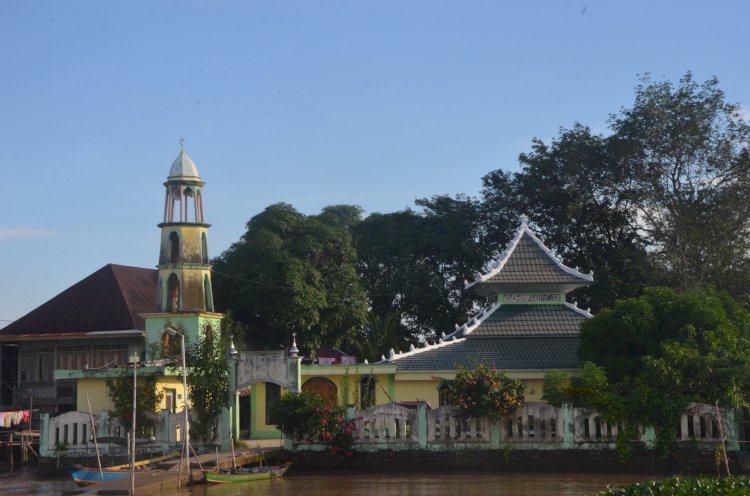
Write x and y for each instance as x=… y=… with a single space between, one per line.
x=44 y=450
x=733 y=430
x=495 y=434
x=568 y=425
x=649 y=436
x=422 y=425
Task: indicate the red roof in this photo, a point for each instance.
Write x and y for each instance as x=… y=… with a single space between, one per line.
x=110 y=299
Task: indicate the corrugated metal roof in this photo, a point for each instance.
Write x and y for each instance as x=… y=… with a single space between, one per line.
x=110 y=299
x=509 y=353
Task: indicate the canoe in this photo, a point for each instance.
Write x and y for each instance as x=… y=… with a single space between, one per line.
x=248 y=474
x=89 y=476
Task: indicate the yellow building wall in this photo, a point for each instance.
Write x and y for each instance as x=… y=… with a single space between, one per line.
x=94 y=391
x=171 y=382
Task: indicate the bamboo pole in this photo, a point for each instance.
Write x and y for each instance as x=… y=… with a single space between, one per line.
x=93 y=432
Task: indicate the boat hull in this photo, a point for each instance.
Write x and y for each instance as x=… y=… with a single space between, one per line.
x=91 y=476
x=246 y=475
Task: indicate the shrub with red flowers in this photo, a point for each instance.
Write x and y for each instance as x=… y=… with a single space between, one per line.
x=307 y=417
x=334 y=430
x=485 y=392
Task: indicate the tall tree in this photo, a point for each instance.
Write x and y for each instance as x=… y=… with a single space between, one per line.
x=293 y=273
x=413 y=264
x=571 y=193
x=685 y=150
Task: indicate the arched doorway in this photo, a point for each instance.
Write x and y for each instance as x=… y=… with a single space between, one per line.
x=323 y=387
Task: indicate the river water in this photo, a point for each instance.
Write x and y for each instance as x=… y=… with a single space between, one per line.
x=366 y=484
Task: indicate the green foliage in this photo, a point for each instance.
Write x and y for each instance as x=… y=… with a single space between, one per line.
x=690 y=486
x=485 y=392
x=306 y=416
x=555 y=389
x=120 y=393
x=378 y=336
x=664 y=350
x=293 y=413
x=208 y=382
x=292 y=272
x=413 y=264
x=588 y=387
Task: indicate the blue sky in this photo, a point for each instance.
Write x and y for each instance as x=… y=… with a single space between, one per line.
x=311 y=103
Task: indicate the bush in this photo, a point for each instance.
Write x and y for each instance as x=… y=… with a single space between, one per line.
x=306 y=416
x=485 y=392
x=691 y=486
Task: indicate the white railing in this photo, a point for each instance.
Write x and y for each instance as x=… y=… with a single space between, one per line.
x=532 y=426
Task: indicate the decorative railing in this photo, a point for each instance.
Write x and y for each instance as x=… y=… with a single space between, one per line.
x=71 y=434
x=533 y=426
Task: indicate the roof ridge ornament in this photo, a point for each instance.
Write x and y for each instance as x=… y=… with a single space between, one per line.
x=524 y=220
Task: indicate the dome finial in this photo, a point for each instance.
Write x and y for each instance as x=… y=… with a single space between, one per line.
x=182 y=144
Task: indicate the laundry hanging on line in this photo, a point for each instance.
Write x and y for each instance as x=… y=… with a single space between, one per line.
x=10 y=419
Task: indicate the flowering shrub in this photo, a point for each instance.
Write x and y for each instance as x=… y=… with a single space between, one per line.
x=334 y=430
x=306 y=416
x=485 y=392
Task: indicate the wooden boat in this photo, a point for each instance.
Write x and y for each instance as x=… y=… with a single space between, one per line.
x=85 y=476
x=248 y=474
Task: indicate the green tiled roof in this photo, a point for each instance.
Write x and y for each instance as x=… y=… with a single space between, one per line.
x=509 y=353
x=530 y=320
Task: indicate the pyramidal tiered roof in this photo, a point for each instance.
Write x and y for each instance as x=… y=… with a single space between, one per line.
x=527 y=263
x=529 y=326
x=108 y=301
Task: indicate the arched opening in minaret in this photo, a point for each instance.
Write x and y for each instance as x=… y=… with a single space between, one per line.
x=174 y=248
x=183 y=200
x=189 y=194
x=208 y=294
x=204 y=248
x=173 y=293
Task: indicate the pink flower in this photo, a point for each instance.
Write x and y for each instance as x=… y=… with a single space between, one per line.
x=348 y=430
x=339 y=419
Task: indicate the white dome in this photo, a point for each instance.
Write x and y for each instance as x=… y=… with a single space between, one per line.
x=183 y=168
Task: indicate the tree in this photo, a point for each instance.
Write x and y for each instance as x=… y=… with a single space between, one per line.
x=665 y=349
x=663 y=199
x=378 y=336
x=208 y=382
x=571 y=193
x=414 y=264
x=293 y=273
x=685 y=153
x=120 y=393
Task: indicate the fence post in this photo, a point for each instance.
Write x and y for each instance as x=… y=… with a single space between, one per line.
x=422 y=424
x=649 y=436
x=568 y=425
x=44 y=450
x=495 y=434
x=102 y=430
x=733 y=429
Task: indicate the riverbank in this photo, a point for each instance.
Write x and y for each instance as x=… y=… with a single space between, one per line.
x=515 y=461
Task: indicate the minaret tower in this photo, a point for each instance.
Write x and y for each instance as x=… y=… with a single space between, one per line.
x=184 y=295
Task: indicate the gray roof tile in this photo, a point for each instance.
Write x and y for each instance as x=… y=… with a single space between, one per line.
x=510 y=353
x=530 y=320
x=529 y=264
